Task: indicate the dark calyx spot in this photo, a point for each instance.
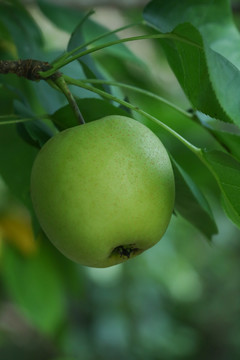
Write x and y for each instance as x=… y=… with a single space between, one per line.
x=126 y=251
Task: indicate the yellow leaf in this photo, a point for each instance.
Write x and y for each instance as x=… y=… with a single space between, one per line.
x=16 y=228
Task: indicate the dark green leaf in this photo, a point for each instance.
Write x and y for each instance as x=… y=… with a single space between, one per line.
x=93 y=29
x=227 y=134
x=64 y=17
x=225 y=77
x=64 y=118
x=189 y=65
x=91 y=109
x=88 y=65
x=16 y=160
x=191 y=204
x=226 y=170
x=201 y=13
x=35 y=131
x=7 y=47
x=48 y=98
x=6 y=100
x=35 y=285
x=23 y=29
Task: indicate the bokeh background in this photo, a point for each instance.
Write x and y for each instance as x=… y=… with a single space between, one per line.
x=178 y=301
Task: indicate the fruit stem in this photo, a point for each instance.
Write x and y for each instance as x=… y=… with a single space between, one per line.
x=62 y=85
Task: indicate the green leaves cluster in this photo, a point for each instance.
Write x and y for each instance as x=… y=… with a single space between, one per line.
x=209 y=74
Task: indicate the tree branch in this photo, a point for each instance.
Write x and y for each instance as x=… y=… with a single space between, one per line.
x=29 y=68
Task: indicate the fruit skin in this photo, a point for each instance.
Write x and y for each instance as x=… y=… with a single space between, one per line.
x=103 y=192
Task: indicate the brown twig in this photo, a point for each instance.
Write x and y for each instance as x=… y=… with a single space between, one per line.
x=28 y=68
x=31 y=70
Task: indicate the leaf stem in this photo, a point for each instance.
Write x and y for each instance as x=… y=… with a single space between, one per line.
x=141 y=91
x=111 y=43
x=106 y=34
x=104 y=94
x=14 y=121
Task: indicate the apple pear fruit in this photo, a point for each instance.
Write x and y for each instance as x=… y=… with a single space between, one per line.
x=103 y=192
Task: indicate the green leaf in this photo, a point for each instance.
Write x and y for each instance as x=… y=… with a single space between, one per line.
x=63 y=118
x=189 y=64
x=217 y=125
x=225 y=77
x=48 y=98
x=226 y=171
x=88 y=65
x=35 y=285
x=201 y=13
x=227 y=134
x=63 y=17
x=92 y=30
x=191 y=204
x=7 y=47
x=71 y=21
x=213 y=72
x=16 y=160
x=7 y=96
x=22 y=27
x=35 y=132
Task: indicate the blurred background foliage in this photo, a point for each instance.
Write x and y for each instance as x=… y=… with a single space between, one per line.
x=177 y=301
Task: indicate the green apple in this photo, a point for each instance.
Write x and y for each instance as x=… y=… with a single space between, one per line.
x=103 y=191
